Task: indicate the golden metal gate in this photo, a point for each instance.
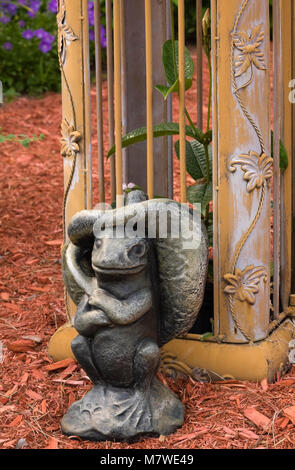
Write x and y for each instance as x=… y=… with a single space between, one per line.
x=253 y=310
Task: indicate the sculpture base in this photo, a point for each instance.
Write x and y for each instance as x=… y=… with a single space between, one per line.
x=124 y=414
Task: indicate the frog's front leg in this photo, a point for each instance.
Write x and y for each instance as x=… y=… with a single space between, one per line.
x=123 y=312
x=88 y=320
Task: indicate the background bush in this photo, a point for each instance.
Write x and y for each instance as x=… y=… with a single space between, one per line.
x=28 y=46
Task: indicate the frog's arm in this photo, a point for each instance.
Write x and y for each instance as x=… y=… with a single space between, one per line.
x=87 y=321
x=123 y=312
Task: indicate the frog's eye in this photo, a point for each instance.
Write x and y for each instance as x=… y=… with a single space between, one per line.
x=97 y=243
x=137 y=250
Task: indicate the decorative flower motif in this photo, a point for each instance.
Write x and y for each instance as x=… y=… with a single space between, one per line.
x=65 y=32
x=69 y=140
x=250 y=54
x=244 y=284
x=257 y=168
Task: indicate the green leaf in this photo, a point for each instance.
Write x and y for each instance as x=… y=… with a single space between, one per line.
x=166 y=90
x=199 y=151
x=284 y=160
x=192 y=165
x=25 y=142
x=206 y=336
x=168 y=62
x=160 y=130
x=200 y=193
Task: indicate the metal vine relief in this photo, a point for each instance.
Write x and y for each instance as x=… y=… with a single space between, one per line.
x=243 y=285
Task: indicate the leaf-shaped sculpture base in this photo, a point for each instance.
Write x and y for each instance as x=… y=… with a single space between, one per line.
x=114 y=413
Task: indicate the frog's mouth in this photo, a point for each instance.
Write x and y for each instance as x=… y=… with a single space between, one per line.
x=118 y=271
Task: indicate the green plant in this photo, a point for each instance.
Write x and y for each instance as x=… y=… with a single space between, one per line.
x=22 y=139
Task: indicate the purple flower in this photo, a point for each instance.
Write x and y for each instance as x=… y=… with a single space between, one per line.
x=40 y=33
x=52 y=6
x=91 y=35
x=4 y=19
x=28 y=34
x=7 y=46
x=34 y=6
x=103 y=39
x=11 y=8
x=45 y=47
x=22 y=23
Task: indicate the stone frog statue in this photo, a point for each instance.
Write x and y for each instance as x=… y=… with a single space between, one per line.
x=133 y=293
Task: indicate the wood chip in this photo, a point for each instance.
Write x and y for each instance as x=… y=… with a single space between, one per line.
x=21 y=345
x=257 y=418
x=290 y=413
x=59 y=365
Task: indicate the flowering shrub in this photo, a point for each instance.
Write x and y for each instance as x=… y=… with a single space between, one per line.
x=28 y=45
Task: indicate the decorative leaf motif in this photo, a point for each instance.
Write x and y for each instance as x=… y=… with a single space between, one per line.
x=257 y=168
x=70 y=137
x=65 y=32
x=244 y=284
x=250 y=54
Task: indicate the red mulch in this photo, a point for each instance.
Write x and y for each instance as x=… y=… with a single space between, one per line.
x=33 y=397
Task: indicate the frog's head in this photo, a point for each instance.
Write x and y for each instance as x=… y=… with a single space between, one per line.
x=117 y=256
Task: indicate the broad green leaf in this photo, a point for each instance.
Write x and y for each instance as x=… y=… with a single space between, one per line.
x=167 y=58
x=166 y=90
x=284 y=161
x=200 y=193
x=160 y=130
x=163 y=89
x=192 y=165
x=199 y=151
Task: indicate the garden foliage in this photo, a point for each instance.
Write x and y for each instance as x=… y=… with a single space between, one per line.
x=28 y=45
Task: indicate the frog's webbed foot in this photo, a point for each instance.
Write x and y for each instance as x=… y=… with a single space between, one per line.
x=81 y=348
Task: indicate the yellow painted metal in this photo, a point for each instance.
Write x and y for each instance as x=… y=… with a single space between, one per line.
x=74 y=55
x=241 y=125
x=98 y=76
x=110 y=76
x=288 y=138
x=181 y=46
x=239 y=361
x=149 y=98
x=277 y=113
x=59 y=347
x=118 y=103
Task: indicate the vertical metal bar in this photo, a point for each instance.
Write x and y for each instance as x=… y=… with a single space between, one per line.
x=169 y=111
x=87 y=164
x=149 y=99
x=124 y=88
x=199 y=39
x=181 y=76
x=118 y=110
x=286 y=137
x=215 y=172
x=110 y=76
x=98 y=80
x=292 y=156
x=277 y=87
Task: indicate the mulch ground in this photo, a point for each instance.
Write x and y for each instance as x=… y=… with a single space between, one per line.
x=34 y=394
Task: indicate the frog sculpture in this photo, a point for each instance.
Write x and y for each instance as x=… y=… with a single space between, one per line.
x=133 y=294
